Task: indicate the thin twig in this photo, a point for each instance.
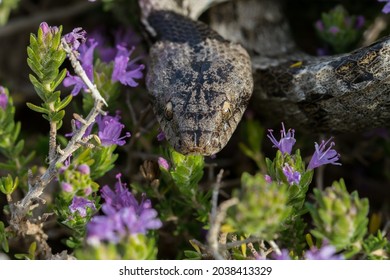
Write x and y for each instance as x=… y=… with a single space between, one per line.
x=214 y=199
x=215 y=226
x=231 y=245
x=73 y=57
x=275 y=247
x=52 y=141
x=373 y=32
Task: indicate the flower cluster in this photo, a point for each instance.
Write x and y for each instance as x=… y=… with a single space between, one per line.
x=339 y=31
x=326 y=252
x=109 y=130
x=125 y=70
x=324 y=154
x=80 y=205
x=3 y=98
x=123 y=216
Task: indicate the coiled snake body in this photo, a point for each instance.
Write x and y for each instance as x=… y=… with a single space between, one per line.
x=201 y=83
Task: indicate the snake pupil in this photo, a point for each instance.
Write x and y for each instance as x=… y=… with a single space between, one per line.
x=168 y=111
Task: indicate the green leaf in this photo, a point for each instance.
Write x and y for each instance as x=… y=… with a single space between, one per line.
x=18 y=148
x=8 y=184
x=53 y=97
x=37 y=108
x=31 y=253
x=39 y=88
x=35 y=67
x=3 y=238
x=64 y=102
x=58 y=80
x=56 y=41
x=192 y=255
x=57 y=116
x=34 y=44
x=59 y=57
x=16 y=130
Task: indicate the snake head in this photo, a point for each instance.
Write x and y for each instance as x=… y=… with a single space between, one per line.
x=199 y=97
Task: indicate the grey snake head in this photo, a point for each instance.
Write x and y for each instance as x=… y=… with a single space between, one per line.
x=200 y=83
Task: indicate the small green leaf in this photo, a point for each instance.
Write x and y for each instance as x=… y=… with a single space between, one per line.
x=34 y=44
x=18 y=148
x=56 y=41
x=37 y=108
x=64 y=102
x=3 y=238
x=35 y=67
x=31 y=250
x=57 y=116
x=16 y=130
x=8 y=185
x=53 y=97
x=58 y=80
x=39 y=88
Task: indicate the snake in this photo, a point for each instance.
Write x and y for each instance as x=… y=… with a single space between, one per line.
x=201 y=77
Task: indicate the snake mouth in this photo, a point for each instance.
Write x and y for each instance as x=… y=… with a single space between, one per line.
x=197 y=142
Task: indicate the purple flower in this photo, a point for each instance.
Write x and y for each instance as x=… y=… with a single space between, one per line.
x=123 y=37
x=3 y=98
x=323 y=51
x=76 y=38
x=80 y=204
x=48 y=31
x=386 y=8
x=84 y=169
x=102 y=228
x=66 y=187
x=78 y=124
x=65 y=165
x=87 y=191
x=163 y=163
x=86 y=58
x=292 y=176
x=123 y=215
x=161 y=136
x=319 y=25
x=323 y=155
x=268 y=179
x=125 y=71
x=334 y=30
x=283 y=256
x=286 y=141
x=119 y=198
x=326 y=252
x=359 y=22
x=110 y=130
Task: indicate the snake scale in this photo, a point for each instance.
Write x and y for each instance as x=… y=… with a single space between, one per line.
x=201 y=82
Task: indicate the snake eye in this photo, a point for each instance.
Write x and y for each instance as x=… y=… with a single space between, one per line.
x=226 y=110
x=168 y=112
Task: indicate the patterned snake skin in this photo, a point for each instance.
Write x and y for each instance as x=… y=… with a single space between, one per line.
x=201 y=83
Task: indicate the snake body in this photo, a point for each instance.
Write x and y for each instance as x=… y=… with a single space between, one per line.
x=201 y=83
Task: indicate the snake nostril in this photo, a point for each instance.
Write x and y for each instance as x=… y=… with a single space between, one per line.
x=168 y=112
x=226 y=110
x=214 y=140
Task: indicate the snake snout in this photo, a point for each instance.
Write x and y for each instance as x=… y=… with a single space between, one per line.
x=197 y=142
